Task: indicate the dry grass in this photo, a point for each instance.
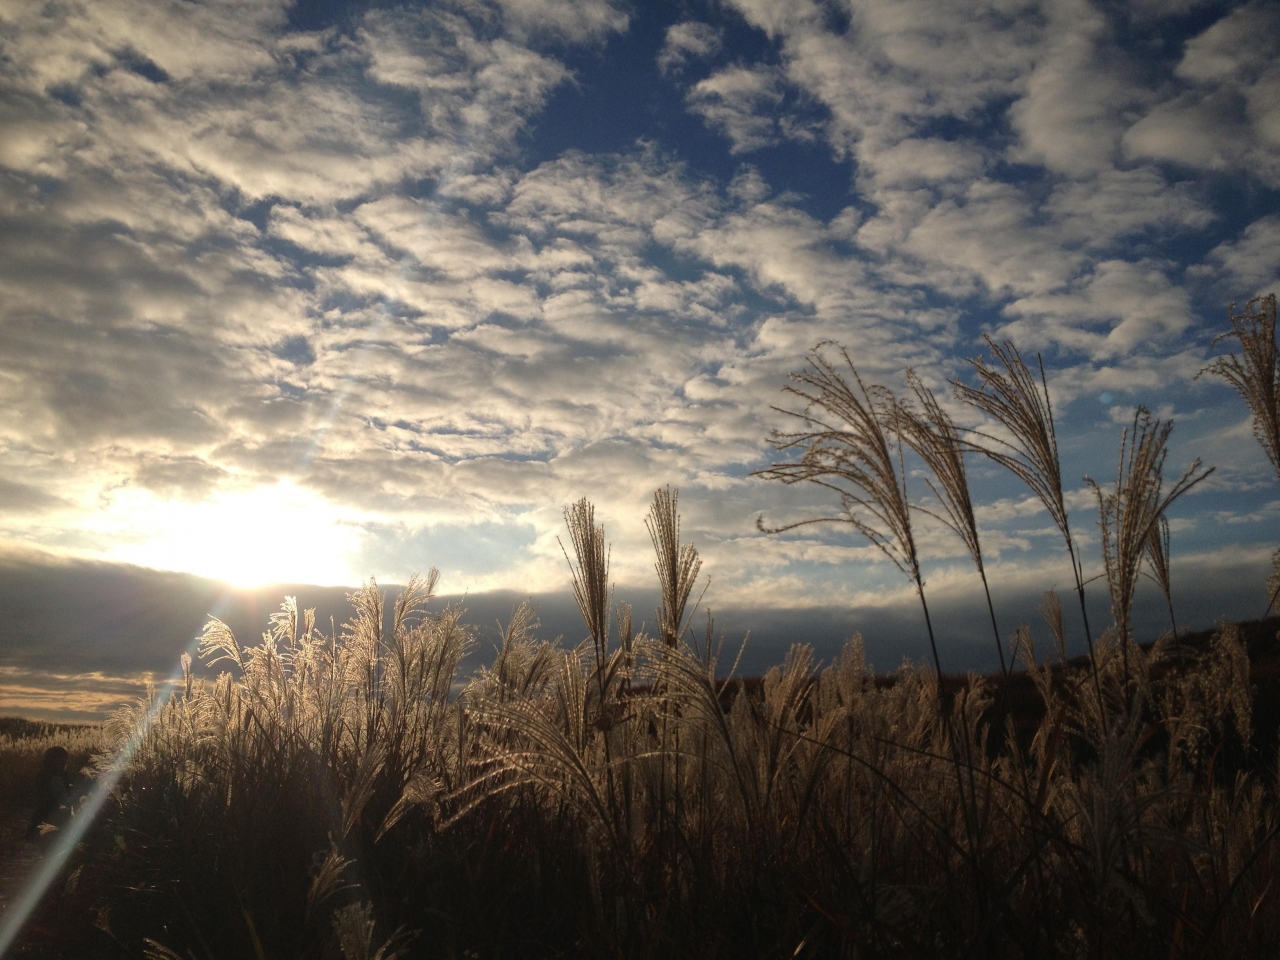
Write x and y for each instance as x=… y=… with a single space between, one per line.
x=931 y=433
x=1255 y=370
x=1156 y=549
x=847 y=445
x=677 y=564
x=22 y=745
x=589 y=570
x=334 y=798
x=1129 y=514
x=1029 y=447
x=543 y=813
x=1255 y=374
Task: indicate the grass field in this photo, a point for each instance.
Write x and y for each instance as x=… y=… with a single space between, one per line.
x=23 y=743
x=330 y=797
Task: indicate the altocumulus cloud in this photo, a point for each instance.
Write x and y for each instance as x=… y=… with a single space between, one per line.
x=368 y=264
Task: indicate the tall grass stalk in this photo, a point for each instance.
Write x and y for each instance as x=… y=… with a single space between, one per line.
x=1013 y=398
x=1255 y=374
x=932 y=434
x=677 y=564
x=1156 y=550
x=590 y=572
x=844 y=446
x=1129 y=515
x=590 y=576
x=1255 y=371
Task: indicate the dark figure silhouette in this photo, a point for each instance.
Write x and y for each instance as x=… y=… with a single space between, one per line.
x=53 y=792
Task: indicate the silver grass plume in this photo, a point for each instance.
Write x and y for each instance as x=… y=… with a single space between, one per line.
x=218 y=643
x=677 y=564
x=1014 y=399
x=1051 y=610
x=353 y=926
x=591 y=591
x=1255 y=374
x=1255 y=370
x=844 y=447
x=1273 y=584
x=591 y=571
x=1129 y=513
x=413 y=599
x=362 y=635
x=522 y=665
x=328 y=877
x=154 y=950
x=1022 y=406
x=1157 y=553
x=932 y=434
x=622 y=615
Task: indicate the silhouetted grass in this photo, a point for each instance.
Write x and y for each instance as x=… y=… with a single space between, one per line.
x=300 y=805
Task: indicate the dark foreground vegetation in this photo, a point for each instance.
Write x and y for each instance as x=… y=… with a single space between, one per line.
x=333 y=800
x=23 y=743
x=351 y=795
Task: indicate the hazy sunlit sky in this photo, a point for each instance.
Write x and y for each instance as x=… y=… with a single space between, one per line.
x=316 y=291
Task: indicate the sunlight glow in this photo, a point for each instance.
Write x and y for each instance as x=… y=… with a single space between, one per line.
x=277 y=534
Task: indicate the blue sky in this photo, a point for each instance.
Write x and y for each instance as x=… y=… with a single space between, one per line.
x=312 y=292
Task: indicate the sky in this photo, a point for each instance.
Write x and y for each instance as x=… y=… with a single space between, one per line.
x=312 y=292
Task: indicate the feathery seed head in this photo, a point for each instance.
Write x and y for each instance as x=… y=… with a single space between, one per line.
x=1255 y=370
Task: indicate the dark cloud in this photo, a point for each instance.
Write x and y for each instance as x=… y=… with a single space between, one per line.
x=18 y=497
x=143 y=66
x=187 y=477
x=114 y=385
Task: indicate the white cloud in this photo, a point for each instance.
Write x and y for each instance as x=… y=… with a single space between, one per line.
x=1226 y=111
x=1195 y=131
x=1113 y=311
x=899 y=63
x=477 y=92
x=331 y=236
x=946 y=216
x=687 y=40
x=988 y=238
x=741 y=103
x=447 y=246
x=1249 y=265
x=1069 y=117
x=1239 y=45
x=926 y=161
x=575 y=21
x=192 y=382
x=1120 y=203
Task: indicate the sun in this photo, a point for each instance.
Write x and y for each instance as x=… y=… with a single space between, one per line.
x=270 y=534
